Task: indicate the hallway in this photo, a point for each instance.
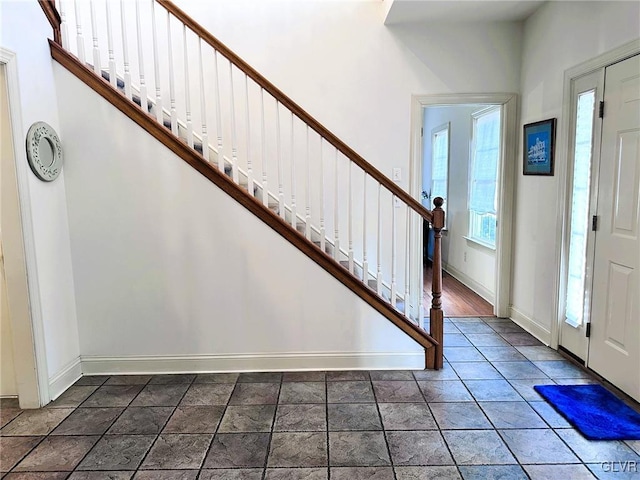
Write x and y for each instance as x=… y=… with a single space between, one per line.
x=458 y=300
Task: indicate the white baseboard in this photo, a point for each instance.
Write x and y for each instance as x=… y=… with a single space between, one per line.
x=463 y=278
x=535 y=329
x=97 y=365
x=66 y=377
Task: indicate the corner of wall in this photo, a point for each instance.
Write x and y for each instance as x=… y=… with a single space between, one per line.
x=530 y=325
x=65 y=377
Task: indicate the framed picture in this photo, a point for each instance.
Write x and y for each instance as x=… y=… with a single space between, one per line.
x=539 y=144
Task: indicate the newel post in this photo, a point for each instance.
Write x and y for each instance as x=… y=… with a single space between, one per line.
x=436 y=315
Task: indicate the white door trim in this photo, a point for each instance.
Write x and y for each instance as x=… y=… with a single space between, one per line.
x=506 y=179
x=32 y=378
x=564 y=181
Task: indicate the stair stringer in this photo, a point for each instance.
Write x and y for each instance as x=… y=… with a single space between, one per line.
x=250 y=203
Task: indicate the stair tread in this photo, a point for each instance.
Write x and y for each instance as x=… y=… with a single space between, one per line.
x=327 y=248
x=107 y=76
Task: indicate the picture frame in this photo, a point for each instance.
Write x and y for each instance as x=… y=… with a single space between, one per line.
x=538 y=147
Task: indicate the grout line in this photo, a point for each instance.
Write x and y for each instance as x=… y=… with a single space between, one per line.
x=124 y=408
x=213 y=437
x=326 y=422
x=383 y=431
x=165 y=423
x=273 y=421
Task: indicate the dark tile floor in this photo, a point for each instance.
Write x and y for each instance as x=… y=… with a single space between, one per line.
x=478 y=418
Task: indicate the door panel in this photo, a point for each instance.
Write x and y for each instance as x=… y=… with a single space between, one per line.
x=614 y=349
x=625 y=214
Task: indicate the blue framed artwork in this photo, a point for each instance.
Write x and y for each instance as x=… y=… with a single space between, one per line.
x=539 y=144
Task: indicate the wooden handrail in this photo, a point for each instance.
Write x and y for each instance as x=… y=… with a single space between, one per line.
x=51 y=12
x=296 y=109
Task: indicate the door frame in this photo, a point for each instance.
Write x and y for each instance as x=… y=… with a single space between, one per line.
x=505 y=186
x=28 y=333
x=564 y=143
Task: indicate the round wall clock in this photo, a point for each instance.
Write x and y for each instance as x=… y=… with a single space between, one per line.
x=44 y=151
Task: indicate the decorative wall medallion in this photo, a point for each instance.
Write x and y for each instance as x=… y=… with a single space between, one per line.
x=44 y=151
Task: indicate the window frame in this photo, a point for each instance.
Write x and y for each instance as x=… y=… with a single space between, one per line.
x=471 y=234
x=445 y=127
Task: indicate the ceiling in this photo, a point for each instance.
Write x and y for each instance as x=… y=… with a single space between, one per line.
x=449 y=11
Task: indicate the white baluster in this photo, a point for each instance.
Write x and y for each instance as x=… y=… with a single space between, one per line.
x=365 y=263
x=79 y=37
x=336 y=219
x=172 y=87
x=156 y=65
x=250 y=187
x=216 y=83
x=234 y=145
x=379 y=244
x=265 y=191
x=125 y=52
x=294 y=212
x=280 y=166
x=351 y=260
x=187 y=87
x=407 y=263
x=393 y=251
x=307 y=220
x=143 y=86
x=113 y=74
x=323 y=233
x=94 y=35
x=203 y=105
x=64 y=30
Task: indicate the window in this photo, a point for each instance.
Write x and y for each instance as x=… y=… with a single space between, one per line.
x=485 y=153
x=583 y=146
x=440 y=163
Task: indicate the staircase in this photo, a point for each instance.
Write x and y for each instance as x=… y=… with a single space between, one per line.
x=187 y=89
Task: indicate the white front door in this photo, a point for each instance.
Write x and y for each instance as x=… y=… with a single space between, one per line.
x=614 y=347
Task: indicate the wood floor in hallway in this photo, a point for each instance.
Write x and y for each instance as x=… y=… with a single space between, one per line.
x=458 y=300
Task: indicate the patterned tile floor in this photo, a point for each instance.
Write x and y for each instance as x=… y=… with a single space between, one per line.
x=478 y=418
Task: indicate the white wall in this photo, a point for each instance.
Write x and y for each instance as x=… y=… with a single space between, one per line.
x=557 y=37
x=472 y=263
x=356 y=75
x=169 y=268
x=25 y=31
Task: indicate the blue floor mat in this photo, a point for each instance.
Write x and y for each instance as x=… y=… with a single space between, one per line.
x=593 y=410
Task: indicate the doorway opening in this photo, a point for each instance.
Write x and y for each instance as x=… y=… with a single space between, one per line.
x=26 y=337
x=464 y=153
